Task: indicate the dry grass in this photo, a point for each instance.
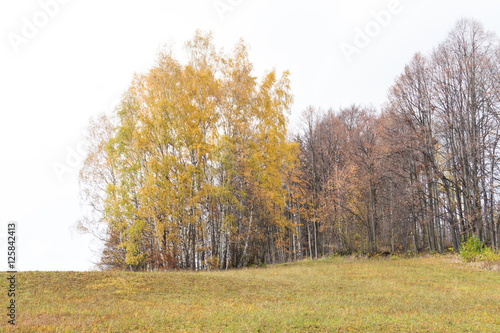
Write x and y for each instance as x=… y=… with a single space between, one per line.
x=431 y=294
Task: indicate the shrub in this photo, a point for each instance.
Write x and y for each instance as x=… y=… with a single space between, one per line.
x=473 y=249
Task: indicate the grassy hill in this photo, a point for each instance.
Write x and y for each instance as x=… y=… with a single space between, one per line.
x=341 y=294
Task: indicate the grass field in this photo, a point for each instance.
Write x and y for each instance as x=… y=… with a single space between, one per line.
x=426 y=294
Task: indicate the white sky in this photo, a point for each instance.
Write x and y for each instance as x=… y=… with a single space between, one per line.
x=83 y=57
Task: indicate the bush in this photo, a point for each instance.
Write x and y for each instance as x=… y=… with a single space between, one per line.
x=473 y=249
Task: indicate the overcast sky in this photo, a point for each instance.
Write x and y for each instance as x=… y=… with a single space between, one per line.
x=63 y=62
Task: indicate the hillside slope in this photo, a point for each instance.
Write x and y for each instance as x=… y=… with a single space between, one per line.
x=339 y=294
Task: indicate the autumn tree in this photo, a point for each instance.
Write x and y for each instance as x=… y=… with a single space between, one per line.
x=198 y=155
x=448 y=105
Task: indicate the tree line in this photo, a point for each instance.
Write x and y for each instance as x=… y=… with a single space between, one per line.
x=196 y=168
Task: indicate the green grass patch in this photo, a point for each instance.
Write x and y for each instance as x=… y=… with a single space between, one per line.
x=431 y=294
